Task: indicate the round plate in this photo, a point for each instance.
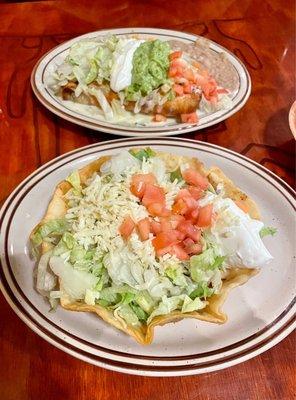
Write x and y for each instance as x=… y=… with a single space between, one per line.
x=260 y=312
x=48 y=62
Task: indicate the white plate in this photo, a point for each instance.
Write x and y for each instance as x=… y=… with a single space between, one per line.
x=56 y=56
x=260 y=312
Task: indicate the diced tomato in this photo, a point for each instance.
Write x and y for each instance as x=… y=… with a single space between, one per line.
x=127 y=227
x=181 y=236
x=138 y=183
x=144 y=228
x=188 y=242
x=176 y=220
x=189 y=74
x=138 y=189
x=189 y=118
x=200 y=80
x=192 y=177
x=183 y=193
x=159 y=118
x=179 y=252
x=187 y=88
x=190 y=202
x=195 y=192
x=242 y=206
x=175 y=54
x=147 y=178
x=180 y=207
x=158 y=210
x=173 y=71
x=194 y=248
x=193 y=215
x=205 y=216
x=178 y=89
x=153 y=194
x=190 y=230
x=165 y=239
x=165 y=224
x=178 y=63
x=209 y=89
x=155 y=227
x=222 y=90
x=162 y=252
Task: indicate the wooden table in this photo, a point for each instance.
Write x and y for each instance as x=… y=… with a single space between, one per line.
x=262 y=34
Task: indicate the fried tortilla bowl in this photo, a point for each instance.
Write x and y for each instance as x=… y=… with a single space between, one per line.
x=235 y=276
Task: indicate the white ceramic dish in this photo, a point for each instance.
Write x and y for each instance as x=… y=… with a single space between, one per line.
x=260 y=312
x=56 y=56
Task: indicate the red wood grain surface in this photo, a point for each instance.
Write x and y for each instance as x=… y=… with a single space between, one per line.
x=262 y=34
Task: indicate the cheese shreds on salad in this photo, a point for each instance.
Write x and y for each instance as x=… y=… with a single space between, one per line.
x=143 y=238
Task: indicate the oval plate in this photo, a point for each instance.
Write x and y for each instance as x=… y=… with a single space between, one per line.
x=47 y=63
x=258 y=318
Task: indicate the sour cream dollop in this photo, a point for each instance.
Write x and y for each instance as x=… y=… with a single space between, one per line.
x=238 y=236
x=121 y=72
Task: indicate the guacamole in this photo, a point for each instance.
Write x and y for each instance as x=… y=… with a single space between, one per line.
x=150 y=68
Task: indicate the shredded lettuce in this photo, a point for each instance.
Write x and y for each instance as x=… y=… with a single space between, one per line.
x=74 y=180
x=205 y=267
x=50 y=228
x=45 y=281
x=267 y=230
x=190 y=305
x=143 y=153
x=145 y=301
x=140 y=313
x=202 y=290
x=73 y=282
x=176 y=175
x=166 y=306
x=176 y=275
x=126 y=312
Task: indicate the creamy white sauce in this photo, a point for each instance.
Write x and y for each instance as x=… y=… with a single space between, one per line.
x=121 y=72
x=238 y=235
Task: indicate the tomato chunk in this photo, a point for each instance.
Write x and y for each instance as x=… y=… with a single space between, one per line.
x=165 y=224
x=195 y=192
x=179 y=252
x=144 y=228
x=183 y=193
x=155 y=227
x=189 y=74
x=192 y=177
x=205 y=216
x=159 y=118
x=193 y=215
x=175 y=54
x=192 y=248
x=188 y=88
x=147 y=178
x=190 y=202
x=189 y=118
x=165 y=239
x=138 y=183
x=190 y=230
x=153 y=194
x=158 y=210
x=138 y=189
x=175 y=220
x=180 y=207
x=162 y=252
x=127 y=227
x=178 y=89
